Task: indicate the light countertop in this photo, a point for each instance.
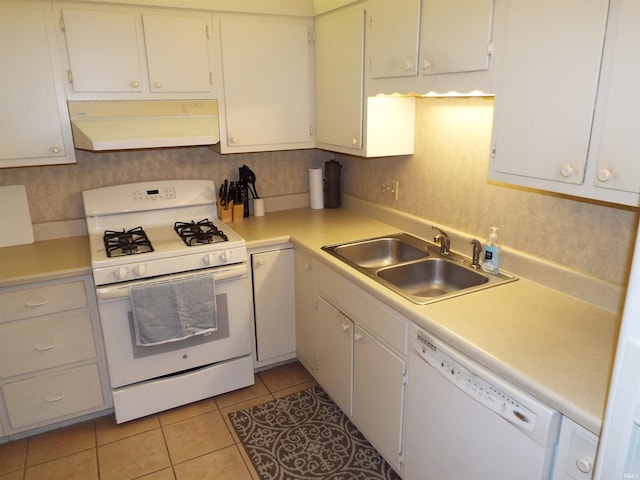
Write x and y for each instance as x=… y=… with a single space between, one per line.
x=44 y=260
x=556 y=347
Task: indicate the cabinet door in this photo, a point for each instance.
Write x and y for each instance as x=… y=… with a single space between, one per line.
x=177 y=49
x=334 y=353
x=392 y=37
x=548 y=59
x=103 y=50
x=455 y=36
x=378 y=394
x=266 y=67
x=339 y=79
x=615 y=129
x=273 y=295
x=34 y=122
x=305 y=309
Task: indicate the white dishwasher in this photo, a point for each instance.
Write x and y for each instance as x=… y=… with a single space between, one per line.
x=463 y=421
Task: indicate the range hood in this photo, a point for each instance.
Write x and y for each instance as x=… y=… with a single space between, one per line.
x=124 y=125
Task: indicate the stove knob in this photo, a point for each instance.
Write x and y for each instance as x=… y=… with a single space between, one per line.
x=140 y=269
x=210 y=259
x=226 y=256
x=121 y=273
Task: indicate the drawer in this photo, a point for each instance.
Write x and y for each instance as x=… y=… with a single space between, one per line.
x=31 y=302
x=47 y=397
x=45 y=342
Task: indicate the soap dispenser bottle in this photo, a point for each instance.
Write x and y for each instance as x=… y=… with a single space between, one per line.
x=491 y=261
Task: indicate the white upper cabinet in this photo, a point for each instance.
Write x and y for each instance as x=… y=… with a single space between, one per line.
x=128 y=53
x=266 y=100
x=34 y=122
x=392 y=37
x=178 y=52
x=347 y=120
x=339 y=78
x=103 y=51
x=548 y=54
x=455 y=36
x=615 y=151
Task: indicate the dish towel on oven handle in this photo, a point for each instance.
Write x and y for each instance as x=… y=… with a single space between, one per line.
x=172 y=310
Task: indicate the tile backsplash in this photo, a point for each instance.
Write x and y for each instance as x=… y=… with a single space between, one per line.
x=445 y=181
x=55 y=192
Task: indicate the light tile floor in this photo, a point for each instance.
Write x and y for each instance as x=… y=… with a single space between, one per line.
x=196 y=441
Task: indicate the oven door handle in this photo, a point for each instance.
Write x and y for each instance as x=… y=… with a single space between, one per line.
x=219 y=274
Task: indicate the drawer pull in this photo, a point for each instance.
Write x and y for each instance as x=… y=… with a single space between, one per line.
x=44 y=348
x=37 y=303
x=57 y=398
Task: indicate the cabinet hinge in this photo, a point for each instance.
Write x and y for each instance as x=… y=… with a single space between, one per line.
x=493 y=151
x=206 y=32
x=311 y=130
x=491 y=50
x=210 y=78
x=62 y=28
x=371 y=20
x=69 y=76
x=310 y=37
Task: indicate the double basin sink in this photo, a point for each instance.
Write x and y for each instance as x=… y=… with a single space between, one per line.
x=415 y=268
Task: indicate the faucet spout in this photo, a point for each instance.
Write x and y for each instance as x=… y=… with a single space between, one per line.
x=443 y=239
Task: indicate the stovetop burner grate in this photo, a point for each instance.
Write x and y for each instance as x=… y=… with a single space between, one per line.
x=198 y=233
x=126 y=242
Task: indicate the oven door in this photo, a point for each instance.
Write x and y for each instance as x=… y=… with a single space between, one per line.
x=129 y=363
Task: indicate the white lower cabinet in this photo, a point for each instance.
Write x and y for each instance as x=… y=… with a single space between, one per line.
x=378 y=394
x=334 y=353
x=576 y=452
x=305 y=310
x=52 y=365
x=46 y=397
x=361 y=360
x=273 y=302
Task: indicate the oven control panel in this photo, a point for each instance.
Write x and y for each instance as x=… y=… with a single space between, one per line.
x=154 y=194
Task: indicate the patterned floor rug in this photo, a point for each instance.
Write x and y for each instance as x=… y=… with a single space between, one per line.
x=305 y=436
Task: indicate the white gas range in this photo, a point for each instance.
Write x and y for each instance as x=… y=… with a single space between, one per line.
x=162 y=235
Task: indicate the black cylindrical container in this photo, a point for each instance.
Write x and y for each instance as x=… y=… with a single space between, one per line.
x=332 y=184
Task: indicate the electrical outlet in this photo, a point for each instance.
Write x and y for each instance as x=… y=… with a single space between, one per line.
x=390 y=189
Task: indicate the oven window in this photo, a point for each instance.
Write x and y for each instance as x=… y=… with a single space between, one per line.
x=222 y=315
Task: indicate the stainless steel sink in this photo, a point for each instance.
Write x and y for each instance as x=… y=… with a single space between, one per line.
x=430 y=278
x=415 y=268
x=380 y=252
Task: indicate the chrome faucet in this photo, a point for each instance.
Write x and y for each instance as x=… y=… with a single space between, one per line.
x=477 y=248
x=443 y=239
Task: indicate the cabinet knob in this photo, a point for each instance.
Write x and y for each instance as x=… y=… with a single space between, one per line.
x=408 y=66
x=261 y=261
x=157 y=84
x=567 y=170
x=354 y=141
x=584 y=464
x=425 y=65
x=134 y=83
x=234 y=140
x=604 y=175
x=56 y=149
x=345 y=327
x=307 y=266
x=357 y=337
